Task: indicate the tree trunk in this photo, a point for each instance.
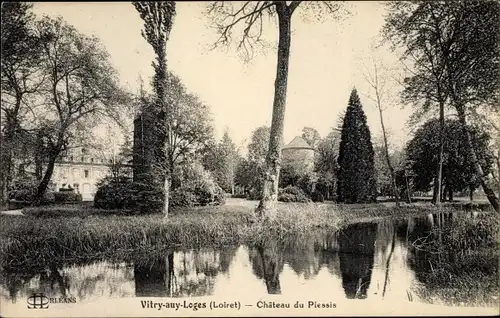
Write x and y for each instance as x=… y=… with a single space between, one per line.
x=498 y=170
x=441 y=151
x=408 y=188
x=11 y=129
x=6 y=166
x=387 y=158
x=435 y=191
x=43 y=185
x=483 y=178
x=267 y=205
x=169 y=172
x=39 y=157
x=471 y=193
x=166 y=191
x=6 y=154
x=450 y=194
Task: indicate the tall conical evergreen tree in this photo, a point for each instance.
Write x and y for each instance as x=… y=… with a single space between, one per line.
x=356 y=175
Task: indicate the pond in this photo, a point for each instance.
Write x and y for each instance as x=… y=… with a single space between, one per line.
x=383 y=260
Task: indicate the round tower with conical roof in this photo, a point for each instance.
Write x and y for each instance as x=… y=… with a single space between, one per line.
x=300 y=154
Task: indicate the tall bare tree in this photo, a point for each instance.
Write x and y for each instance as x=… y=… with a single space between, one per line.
x=251 y=16
x=158 y=17
x=378 y=83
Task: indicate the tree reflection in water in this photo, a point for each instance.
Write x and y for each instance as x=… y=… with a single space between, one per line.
x=154 y=277
x=51 y=282
x=181 y=274
x=357 y=248
x=267 y=264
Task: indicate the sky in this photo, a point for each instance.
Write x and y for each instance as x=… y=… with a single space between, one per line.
x=328 y=59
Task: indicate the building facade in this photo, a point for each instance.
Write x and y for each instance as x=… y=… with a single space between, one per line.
x=81 y=170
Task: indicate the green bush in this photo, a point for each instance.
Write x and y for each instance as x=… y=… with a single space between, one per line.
x=192 y=186
x=219 y=196
x=199 y=195
x=317 y=197
x=254 y=194
x=182 y=197
x=292 y=194
x=239 y=196
x=197 y=187
x=125 y=194
x=23 y=194
x=67 y=197
x=305 y=184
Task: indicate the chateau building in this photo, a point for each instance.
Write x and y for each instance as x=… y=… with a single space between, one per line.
x=80 y=170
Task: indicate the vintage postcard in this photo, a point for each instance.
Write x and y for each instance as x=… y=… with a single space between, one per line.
x=249 y=158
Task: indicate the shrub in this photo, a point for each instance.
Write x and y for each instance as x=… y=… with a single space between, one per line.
x=183 y=197
x=292 y=194
x=23 y=194
x=305 y=184
x=125 y=194
x=204 y=190
x=239 y=196
x=317 y=197
x=67 y=197
x=219 y=196
x=197 y=187
x=254 y=194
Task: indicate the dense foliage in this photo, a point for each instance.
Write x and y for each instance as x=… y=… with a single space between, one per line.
x=193 y=186
x=458 y=170
x=292 y=194
x=326 y=166
x=24 y=193
x=250 y=170
x=221 y=159
x=125 y=194
x=196 y=186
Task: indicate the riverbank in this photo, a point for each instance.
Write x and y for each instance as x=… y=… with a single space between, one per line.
x=67 y=232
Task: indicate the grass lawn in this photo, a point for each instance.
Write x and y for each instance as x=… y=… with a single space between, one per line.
x=70 y=231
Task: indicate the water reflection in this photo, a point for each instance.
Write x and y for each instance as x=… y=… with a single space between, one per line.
x=180 y=274
x=357 y=248
x=267 y=264
x=154 y=278
x=365 y=260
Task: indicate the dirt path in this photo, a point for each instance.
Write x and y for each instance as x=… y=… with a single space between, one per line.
x=13 y=212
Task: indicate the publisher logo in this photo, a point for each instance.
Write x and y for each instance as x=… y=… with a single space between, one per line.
x=38 y=301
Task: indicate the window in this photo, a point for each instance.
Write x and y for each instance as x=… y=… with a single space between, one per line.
x=71 y=158
x=81 y=159
x=86 y=172
x=92 y=160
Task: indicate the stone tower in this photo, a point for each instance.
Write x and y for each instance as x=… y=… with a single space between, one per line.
x=299 y=154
